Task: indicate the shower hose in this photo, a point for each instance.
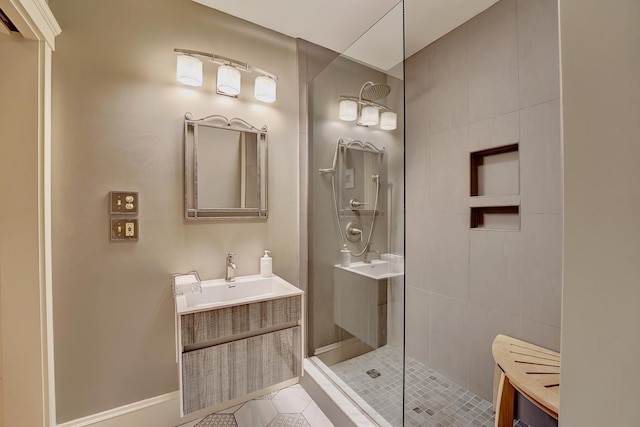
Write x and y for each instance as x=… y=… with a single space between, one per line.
x=374 y=177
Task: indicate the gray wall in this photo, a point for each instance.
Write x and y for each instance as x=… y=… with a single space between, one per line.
x=491 y=82
x=601 y=131
x=118 y=125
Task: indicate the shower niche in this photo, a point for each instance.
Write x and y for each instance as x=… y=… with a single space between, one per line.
x=495 y=188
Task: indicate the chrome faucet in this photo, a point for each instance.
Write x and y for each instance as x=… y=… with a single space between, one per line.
x=230 y=275
x=366 y=252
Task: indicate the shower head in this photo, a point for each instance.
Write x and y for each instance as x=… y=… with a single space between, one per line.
x=373 y=91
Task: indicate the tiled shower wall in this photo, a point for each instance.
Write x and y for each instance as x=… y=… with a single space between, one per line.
x=493 y=81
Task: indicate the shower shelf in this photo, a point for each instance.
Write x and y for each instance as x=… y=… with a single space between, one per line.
x=494 y=188
x=496 y=218
x=494 y=201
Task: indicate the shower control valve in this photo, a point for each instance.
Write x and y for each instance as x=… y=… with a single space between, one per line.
x=354 y=231
x=355 y=203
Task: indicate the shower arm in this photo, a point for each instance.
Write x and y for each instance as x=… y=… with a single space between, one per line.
x=363 y=101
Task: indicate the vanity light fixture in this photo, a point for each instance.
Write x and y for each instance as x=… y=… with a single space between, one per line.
x=348 y=110
x=365 y=111
x=369 y=115
x=228 y=82
x=265 y=89
x=388 y=120
x=189 y=70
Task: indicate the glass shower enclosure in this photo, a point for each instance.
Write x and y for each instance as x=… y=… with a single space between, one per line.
x=356 y=224
x=477 y=150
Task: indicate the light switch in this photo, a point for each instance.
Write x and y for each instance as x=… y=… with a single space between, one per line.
x=124 y=229
x=123 y=202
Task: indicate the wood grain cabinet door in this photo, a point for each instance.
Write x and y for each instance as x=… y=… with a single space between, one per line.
x=223 y=372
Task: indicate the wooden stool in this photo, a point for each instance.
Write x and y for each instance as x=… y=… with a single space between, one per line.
x=533 y=371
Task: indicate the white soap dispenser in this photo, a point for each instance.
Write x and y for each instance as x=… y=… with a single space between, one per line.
x=345 y=256
x=266 y=266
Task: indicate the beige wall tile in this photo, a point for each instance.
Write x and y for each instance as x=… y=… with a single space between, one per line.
x=541 y=158
x=489 y=16
x=447 y=106
x=417 y=261
x=541 y=297
x=540 y=334
x=484 y=325
x=492 y=52
x=417 y=174
x=494 y=273
x=495 y=132
x=449 y=335
x=447 y=255
x=449 y=172
x=416 y=87
x=417 y=315
x=538 y=51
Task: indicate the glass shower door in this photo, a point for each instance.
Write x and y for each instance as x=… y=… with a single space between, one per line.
x=356 y=204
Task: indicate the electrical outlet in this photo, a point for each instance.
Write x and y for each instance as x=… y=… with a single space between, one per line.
x=123 y=202
x=129 y=229
x=124 y=229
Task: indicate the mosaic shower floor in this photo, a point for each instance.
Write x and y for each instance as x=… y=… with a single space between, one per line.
x=374 y=381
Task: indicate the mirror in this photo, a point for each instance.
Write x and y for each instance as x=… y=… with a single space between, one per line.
x=358 y=163
x=225 y=169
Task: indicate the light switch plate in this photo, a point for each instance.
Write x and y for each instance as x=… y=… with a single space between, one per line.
x=348 y=179
x=124 y=229
x=123 y=203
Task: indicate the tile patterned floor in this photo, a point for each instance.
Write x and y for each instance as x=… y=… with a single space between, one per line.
x=289 y=407
x=432 y=399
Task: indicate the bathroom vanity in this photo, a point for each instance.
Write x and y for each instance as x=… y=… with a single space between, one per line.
x=236 y=339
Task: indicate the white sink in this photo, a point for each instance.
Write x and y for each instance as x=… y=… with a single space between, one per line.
x=245 y=289
x=376 y=269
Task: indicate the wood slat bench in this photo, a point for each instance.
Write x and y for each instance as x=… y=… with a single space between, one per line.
x=533 y=371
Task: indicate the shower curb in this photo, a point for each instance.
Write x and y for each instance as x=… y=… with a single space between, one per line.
x=331 y=400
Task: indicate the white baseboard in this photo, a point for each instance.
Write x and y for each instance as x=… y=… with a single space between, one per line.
x=162 y=411
x=159 y=411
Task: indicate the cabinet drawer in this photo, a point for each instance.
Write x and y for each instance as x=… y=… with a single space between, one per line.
x=212 y=325
x=223 y=372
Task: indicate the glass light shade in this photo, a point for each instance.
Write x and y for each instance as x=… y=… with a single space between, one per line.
x=228 y=82
x=348 y=110
x=369 y=116
x=265 y=89
x=189 y=70
x=388 y=120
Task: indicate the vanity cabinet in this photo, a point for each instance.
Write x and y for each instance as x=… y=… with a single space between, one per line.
x=227 y=353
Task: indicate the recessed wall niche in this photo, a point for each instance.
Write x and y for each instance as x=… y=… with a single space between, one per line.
x=495 y=188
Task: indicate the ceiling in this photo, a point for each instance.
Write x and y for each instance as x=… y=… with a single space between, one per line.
x=369 y=31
